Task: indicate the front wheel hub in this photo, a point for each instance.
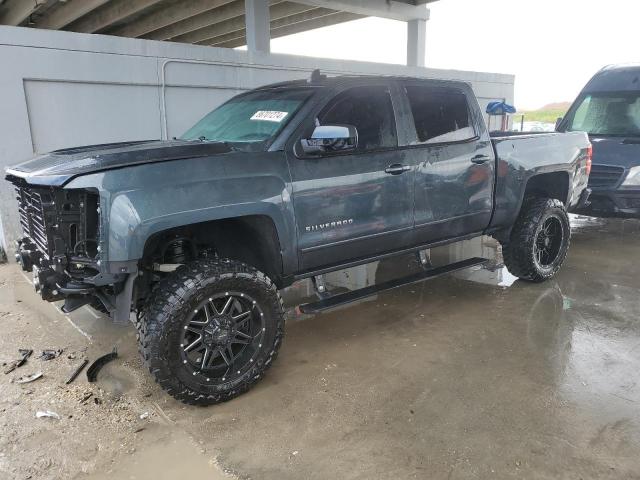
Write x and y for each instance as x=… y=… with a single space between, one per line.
x=218 y=333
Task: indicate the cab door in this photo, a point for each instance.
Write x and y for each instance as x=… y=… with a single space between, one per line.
x=454 y=160
x=356 y=204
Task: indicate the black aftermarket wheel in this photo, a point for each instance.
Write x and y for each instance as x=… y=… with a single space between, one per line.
x=539 y=240
x=211 y=329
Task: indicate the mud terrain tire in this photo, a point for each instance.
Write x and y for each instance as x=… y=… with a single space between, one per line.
x=539 y=240
x=195 y=297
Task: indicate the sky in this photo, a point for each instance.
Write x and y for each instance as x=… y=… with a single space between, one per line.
x=552 y=47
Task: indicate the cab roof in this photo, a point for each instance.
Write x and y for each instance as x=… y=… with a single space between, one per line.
x=615 y=78
x=355 y=80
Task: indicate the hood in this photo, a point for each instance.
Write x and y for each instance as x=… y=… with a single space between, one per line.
x=58 y=167
x=616 y=151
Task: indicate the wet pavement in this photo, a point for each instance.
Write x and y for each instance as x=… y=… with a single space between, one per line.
x=471 y=375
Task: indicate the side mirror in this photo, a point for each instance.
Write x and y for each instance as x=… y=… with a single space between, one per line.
x=330 y=138
x=558 y=122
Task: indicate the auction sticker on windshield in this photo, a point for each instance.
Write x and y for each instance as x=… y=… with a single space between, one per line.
x=269 y=116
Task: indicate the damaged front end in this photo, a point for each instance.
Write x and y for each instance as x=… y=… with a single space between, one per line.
x=61 y=247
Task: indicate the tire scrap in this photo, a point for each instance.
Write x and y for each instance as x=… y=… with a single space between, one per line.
x=24 y=354
x=92 y=371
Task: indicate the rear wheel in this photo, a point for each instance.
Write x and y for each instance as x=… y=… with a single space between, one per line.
x=211 y=329
x=539 y=241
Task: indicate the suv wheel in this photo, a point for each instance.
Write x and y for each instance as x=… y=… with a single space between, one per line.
x=210 y=330
x=539 y=240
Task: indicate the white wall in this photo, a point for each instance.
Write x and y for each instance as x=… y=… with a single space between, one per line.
x=62 y=89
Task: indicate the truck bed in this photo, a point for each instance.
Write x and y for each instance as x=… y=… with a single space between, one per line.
x=521 y=156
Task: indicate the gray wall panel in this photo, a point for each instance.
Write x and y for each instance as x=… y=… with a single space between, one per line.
x=62 y=114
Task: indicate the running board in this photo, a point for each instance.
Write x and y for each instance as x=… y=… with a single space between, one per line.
x=344 y=298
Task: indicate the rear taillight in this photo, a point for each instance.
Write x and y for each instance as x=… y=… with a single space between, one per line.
x=589 y=158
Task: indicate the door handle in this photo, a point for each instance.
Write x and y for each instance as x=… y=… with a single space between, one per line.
x=480 y=159
x=397 y=169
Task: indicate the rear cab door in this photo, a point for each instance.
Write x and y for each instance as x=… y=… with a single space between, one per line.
x=455 y=161
x=356 y=204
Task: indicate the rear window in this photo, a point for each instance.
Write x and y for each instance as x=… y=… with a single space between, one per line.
x=607 y=114
x=441 y=115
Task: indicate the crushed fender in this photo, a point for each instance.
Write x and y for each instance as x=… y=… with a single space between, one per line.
x=92 y=371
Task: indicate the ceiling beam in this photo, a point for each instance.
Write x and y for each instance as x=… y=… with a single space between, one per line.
x=113 y=12
x=325 y=21
x=374 y=8
x=239 y=34
x=174 y=12
x=65 y=13
x=226 y=12
x=237 y=23
x=14 y=12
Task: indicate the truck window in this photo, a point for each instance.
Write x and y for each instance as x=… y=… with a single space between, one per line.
x=370 y=110
x=607 y=114
x=440 y=115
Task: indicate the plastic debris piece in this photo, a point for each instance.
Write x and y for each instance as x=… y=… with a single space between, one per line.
x=50 y=354
x=92 y=371
x=47 y=414
x=86 y=397
x=29 y=378
x=77 y=371
x=24 y=354
x=144 y=415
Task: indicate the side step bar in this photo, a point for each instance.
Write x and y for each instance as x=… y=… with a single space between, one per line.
x=348 y=297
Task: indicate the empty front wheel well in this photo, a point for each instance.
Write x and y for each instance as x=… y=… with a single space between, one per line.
x=251 y=239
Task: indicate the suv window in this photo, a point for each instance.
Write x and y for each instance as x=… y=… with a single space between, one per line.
x=370 y=110
x=607 y=114
x=440 y=114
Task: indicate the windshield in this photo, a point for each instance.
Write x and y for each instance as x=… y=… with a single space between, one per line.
x=607 y=114
x=255 y=117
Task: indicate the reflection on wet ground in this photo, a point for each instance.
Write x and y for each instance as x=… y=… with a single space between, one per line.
x=471 y=375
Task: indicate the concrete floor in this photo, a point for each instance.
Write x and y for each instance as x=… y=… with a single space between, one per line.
x=467 y=376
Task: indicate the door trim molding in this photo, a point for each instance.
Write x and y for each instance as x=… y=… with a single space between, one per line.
x=356 y=239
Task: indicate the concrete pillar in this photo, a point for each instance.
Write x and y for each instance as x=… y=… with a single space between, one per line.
x=257 y=24
x=416 y=42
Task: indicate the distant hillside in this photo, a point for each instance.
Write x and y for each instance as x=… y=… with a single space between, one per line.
x=549 y=113
x=557 y=106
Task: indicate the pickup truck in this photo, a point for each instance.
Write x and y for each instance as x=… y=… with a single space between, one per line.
x=194 y=237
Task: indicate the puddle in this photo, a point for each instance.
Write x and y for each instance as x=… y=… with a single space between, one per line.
x=175 y=457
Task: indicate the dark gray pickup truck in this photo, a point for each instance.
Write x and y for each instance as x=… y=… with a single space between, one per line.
x=196 y=235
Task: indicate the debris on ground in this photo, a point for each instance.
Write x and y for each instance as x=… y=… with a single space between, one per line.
x=28 y=378
x=24 y=354
x=86 y=397
x=50 y=354
x=47 y=414
x=77 y=371
x=92 y=371
x=144 y=415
